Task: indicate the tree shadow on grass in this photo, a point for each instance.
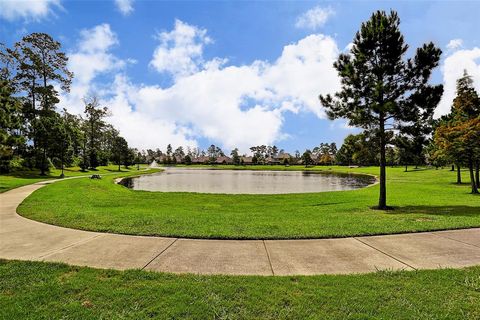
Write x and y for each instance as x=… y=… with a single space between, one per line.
x=464 y=211
x=29 y=175
x=116 y=170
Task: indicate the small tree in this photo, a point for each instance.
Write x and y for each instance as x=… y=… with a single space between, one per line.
x=120 y=150
x=187 y=159
x=307 y=158
x=235 y=156
x=380 y=87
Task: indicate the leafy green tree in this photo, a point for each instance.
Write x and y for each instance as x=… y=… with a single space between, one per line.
x=458 y=135
x=10 y=125
x=235 y=156
x=187 y=159
x=179 y=153
x=307 y=158
x=274 y=151
x=391 y=156
x=95 y=126
x=406 y=151
x=120 y=150
x=40 y=68
x=73 y=127
x=380 y=87
x=357 y=149
x=214 y=152
x=129 y=157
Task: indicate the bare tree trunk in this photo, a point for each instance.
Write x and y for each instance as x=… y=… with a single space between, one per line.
x=472 y=178
x=459 y=175
x=406 y=167
x=382 y=201
x=44 y=158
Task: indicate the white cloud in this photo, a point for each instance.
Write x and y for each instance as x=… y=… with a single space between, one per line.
x=233 y=106
x=452 y=70
x=454 y=44
x=27 y=9
x=181 y=50
x=124 y=6
x=91 y=59
x=314 y=18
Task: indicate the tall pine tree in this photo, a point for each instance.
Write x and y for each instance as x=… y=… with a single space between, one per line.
x=380 y=88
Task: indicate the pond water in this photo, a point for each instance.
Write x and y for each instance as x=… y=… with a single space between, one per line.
x=246 y=181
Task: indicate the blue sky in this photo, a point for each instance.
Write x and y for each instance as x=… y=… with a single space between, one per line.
x=229 y=73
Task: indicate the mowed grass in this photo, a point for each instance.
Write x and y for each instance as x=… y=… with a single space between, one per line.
x=35 y=290
x=21 y=178
x=423 y=200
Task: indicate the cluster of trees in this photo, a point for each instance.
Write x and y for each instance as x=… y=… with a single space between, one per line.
x=390 y=97
x=457 y=135
x=263 y=152
x=33 y=133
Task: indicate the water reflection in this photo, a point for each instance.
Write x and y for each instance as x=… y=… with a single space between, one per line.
x=246 y=181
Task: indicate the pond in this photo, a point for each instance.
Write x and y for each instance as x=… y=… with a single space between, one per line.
x=246 y=181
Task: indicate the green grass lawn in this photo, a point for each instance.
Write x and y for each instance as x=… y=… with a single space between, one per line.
x=423 y=200
x=35 y=290
x=20 y=178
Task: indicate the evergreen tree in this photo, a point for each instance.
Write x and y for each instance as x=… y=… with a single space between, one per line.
x=95 y=126
x=380 y=87
x=10 y=125
x=235 y=156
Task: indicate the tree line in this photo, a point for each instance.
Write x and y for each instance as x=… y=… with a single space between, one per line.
x=33 y=132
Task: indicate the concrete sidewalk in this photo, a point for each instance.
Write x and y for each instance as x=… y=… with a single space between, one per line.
x=24 y=239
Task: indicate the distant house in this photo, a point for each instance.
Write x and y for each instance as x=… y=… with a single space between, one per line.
x=223 y=160
x=201 y=160
x=272 y=161
x=246 y=160
x=164 y=159
x=282 y=157
x=208 y=160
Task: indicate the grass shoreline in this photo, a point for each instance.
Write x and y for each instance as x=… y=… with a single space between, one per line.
x=103 y=206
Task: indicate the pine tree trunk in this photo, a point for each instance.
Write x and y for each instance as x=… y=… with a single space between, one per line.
x=44 y=158
x=382 y=201
x=63 y=159
x=472 y=178
x=459 y=175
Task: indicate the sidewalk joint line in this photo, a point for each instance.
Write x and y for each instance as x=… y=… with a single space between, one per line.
x=70 y=246
x=389 y=255
x=158 y=255
x=268 y=257
x=445 y=237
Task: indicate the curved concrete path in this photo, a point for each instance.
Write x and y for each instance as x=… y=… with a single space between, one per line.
x=24 y=239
